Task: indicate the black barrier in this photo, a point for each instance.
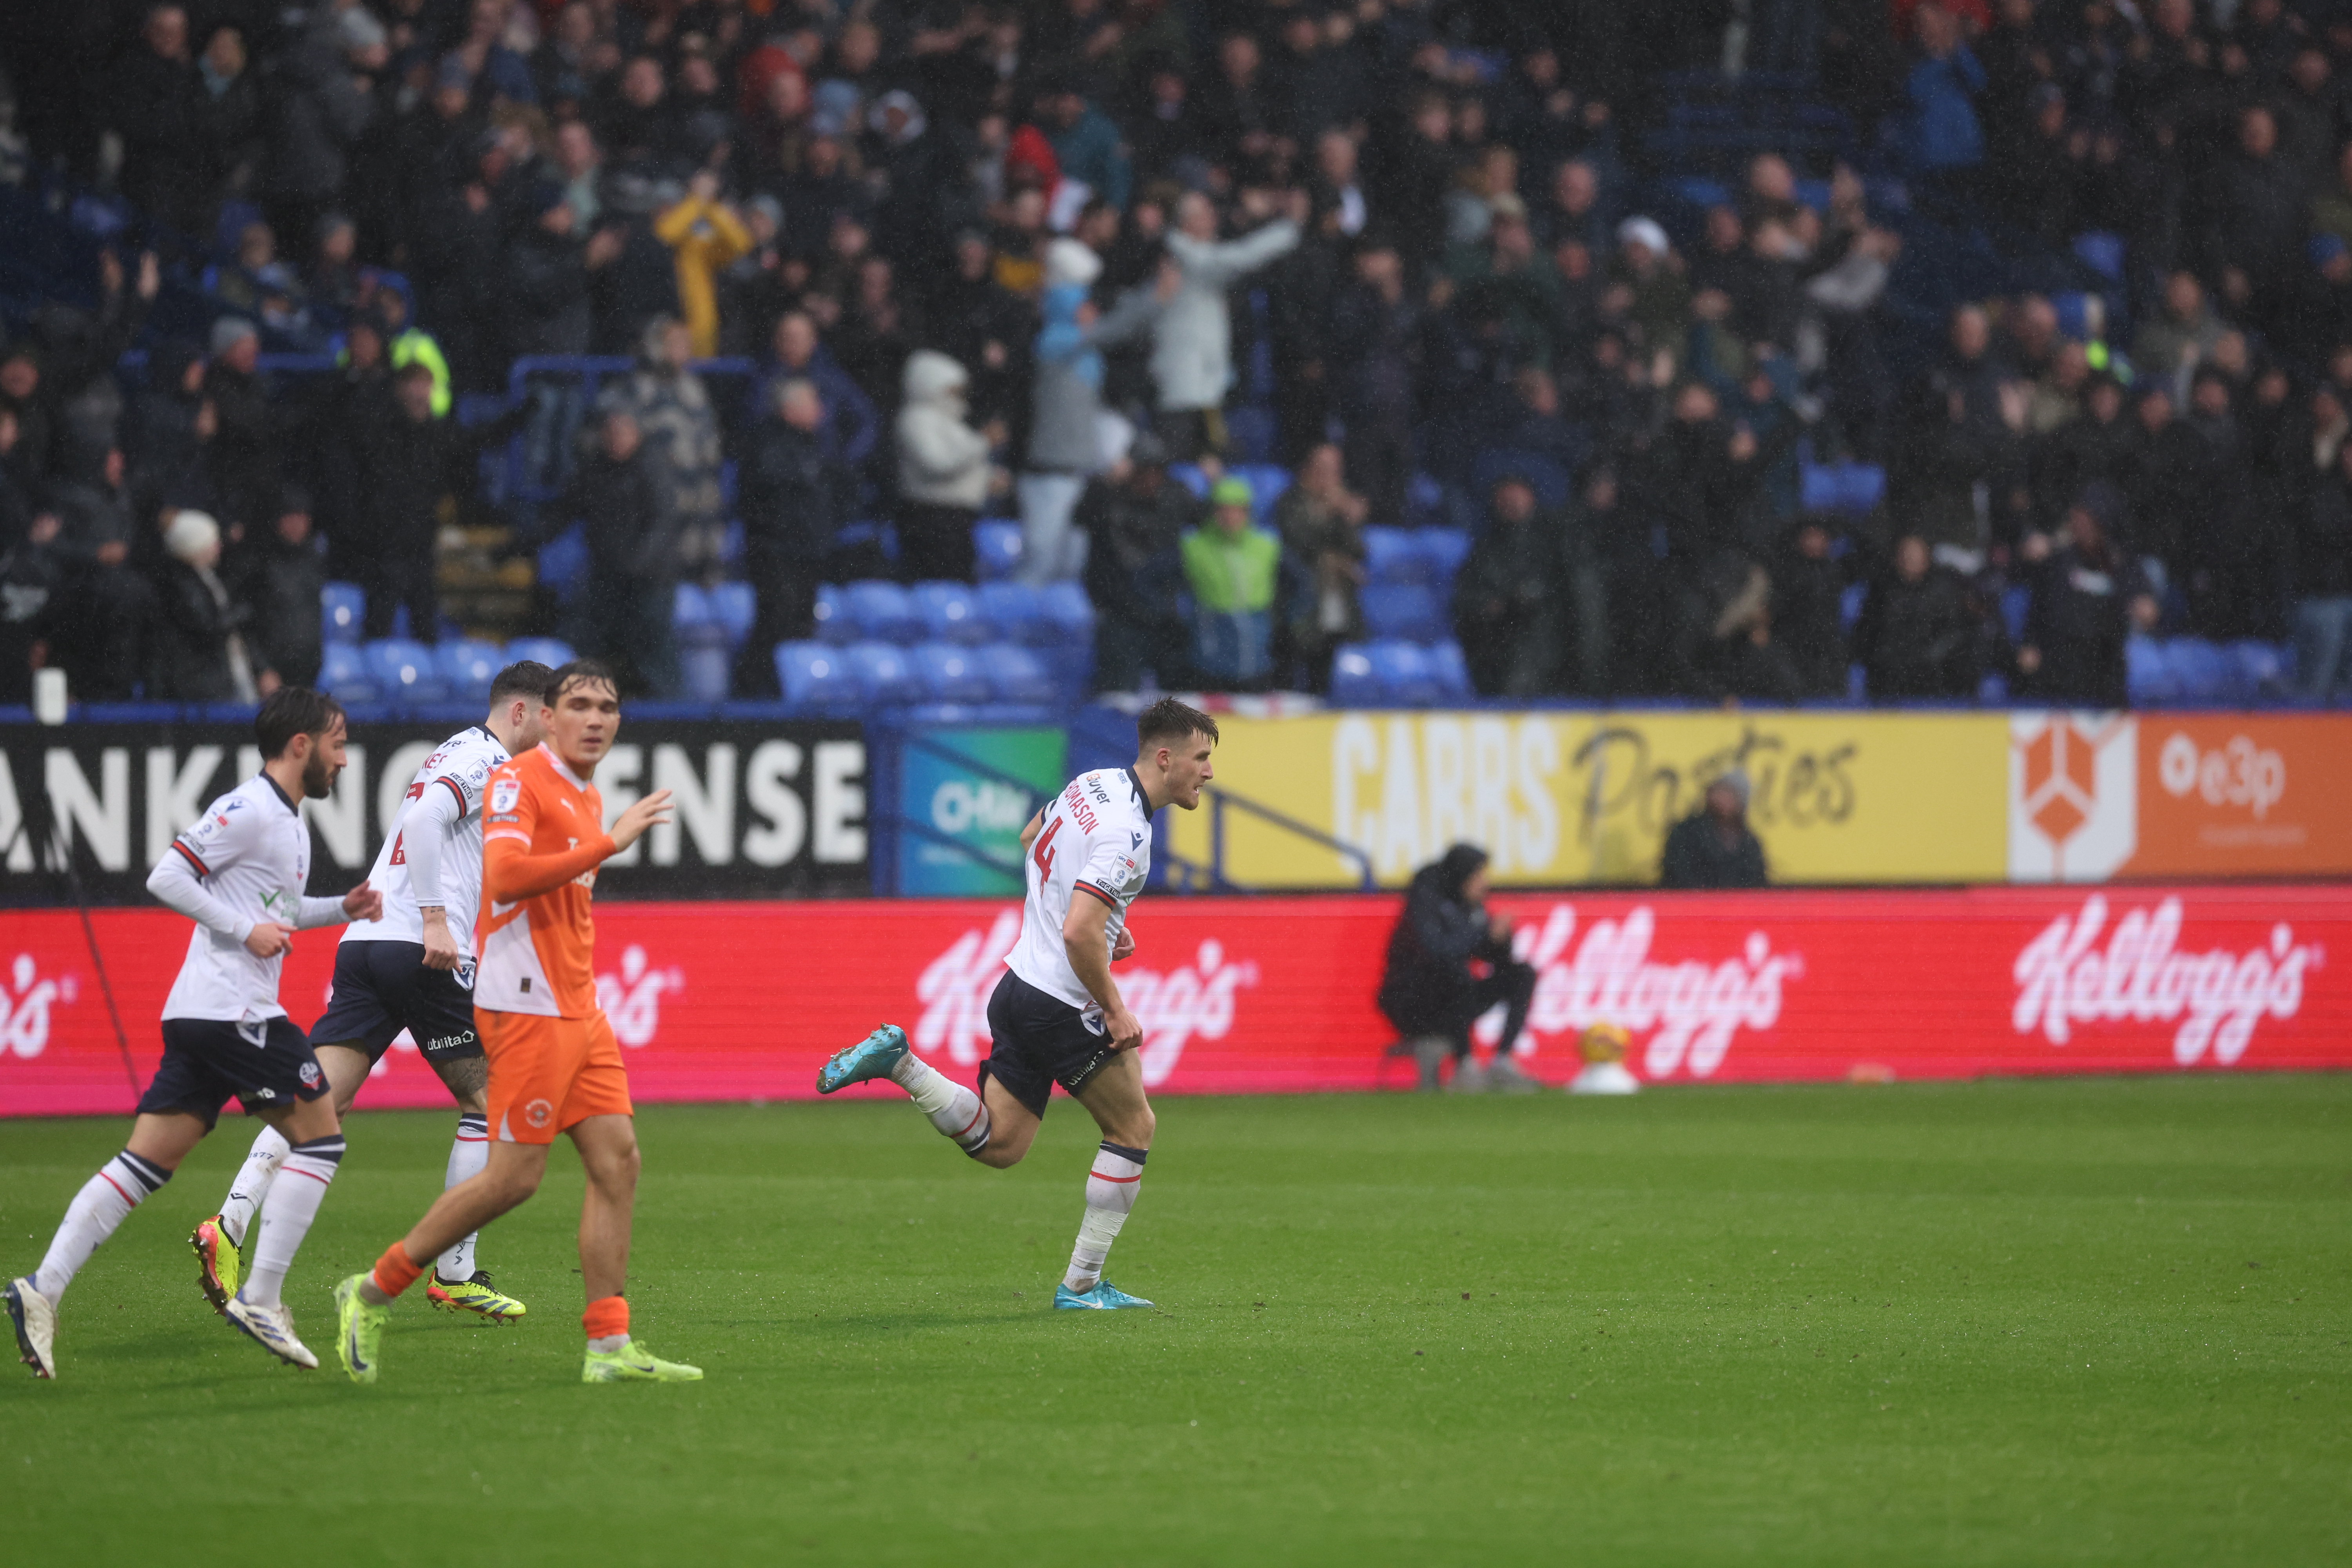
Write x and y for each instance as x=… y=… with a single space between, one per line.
x=764 y=807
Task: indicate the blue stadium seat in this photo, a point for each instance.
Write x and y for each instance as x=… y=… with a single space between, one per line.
x=949 y=672
x=1402 y=611
x=469 y=667
x=406 y=671
x=691 y=621
x=1819 y=487
x=549 y=651
x=1190 y=476
x=833 y=621
x=2015 y=604
x=1068 y=615
x=343 y=610
x=1250 y=432
x=1393 y=555
x=2207 y=672
x=1453 y=673
x=1850 y=602
x=1384 y=675
x=563 y=563
x=345 y=672
x=2149 y=680
x=1267 y=481
x=1698 y=192
x=950 y=611
x=1862 y=486
x=735 y=606
x=1015 y=610
x=881 y=612
x=2268 y=668
x=1813 y=193
x=1016 y=674
x=2102 y=253
x=815 y=675
x=1445 y=549
x=884 y=673
x=995 y=548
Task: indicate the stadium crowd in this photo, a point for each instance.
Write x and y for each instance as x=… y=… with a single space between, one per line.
x=1065 y=260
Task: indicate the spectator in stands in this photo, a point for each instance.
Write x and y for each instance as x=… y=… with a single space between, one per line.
x=1065 y=424
x=1192 y=353
x=244 y=450
x=1507 y=605
x=280 y=582
x=707 y=236
x=851 y=426
x=681 y=430
x=1966 y=429
x=1429 y=985
x=2172 y=343
x=943 y=471
x=1807 y=608
x=1714 y=846
x=795 y=496
x=1916 y=638
x=1135 y=517
x=1745 y=662
x=1231 y=568
x=323 y=102
x=1321 y=525
x=196 y=650
x=1947 y=142
x=2323 y=583
x=156 y=104
x=1373 y=345
x=408 y=462
x=630 y=526
x=2089 y=595
x=548 y=269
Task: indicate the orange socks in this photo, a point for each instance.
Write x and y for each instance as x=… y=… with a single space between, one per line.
x=394 y=1272
x=607 y=1318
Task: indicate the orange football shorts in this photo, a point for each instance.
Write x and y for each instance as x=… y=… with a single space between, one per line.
x=549 y=1075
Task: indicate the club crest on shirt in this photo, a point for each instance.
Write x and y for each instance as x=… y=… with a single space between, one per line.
x=311 y=1076
x=505 y=794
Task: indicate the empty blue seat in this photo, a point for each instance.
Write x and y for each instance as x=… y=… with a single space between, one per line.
x=2148 y=677
x=1445 y=549
x=1404 y=611
x=1015 y=610
x=552 y=652
x=1267 y=481
x=1384 y=675
x=949 y=672
x=691 y=621
x=405 y=671
x=884 y=673
x=1016 y=674
x=469 y=667
x=815 y=675
x=1850 y=602
x=950 y=611
x=2015 y=602
x=1819 y=488
x=1190 y=476
x=736 y=607
x=882 y=536
x=1068 y=615
x=881 y=612
x=995 y=548
x=2206 y=671
x=344 y=671
x=1391 y=555
x=2268 y=668
x=1699 y=191
x=2102 y=253
x=833 y=621
x=342 y=611
x=1452 y=671
x=1862 y=486
x=1813 y=193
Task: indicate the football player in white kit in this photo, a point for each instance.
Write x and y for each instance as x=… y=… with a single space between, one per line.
x=1057 y=1017
x=413 y=970
x=238 y=873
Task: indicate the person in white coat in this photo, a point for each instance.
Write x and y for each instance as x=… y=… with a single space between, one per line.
x=1192 y=341
x=943 y=472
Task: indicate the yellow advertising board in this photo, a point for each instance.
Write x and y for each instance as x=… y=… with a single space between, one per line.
x=1560 y=797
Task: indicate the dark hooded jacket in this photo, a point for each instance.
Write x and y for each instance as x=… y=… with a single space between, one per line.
x=1427 y=980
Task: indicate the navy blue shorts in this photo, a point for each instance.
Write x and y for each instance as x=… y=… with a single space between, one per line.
x=384 y=987
x=206 y=1061
x=1040 y=1040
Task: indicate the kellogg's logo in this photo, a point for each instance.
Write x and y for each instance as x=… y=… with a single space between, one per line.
x=632 y=999
x=25 y=1003
x=1174 y=1005
x=2064 y=979
x=1695 y=1006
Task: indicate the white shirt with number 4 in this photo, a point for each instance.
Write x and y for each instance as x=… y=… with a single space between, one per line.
x=1093 y=843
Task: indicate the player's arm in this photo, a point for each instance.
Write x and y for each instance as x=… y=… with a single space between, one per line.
x=178 y=881
x=362 y=903
x=425 y=831
x=1029 y=834
x=512 y=873
x=1085 y=937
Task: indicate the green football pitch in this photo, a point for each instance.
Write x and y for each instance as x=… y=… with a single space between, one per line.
x=2068 y=1321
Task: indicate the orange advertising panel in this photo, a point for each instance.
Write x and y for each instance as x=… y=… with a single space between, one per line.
x=2100 y=795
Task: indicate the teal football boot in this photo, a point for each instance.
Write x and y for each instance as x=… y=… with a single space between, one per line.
x=1105 y=1297
x=872 y=1056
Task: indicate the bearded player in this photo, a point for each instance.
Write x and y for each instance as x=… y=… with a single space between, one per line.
x=554 y=1064
x=1057 y=1015
x=413 y=969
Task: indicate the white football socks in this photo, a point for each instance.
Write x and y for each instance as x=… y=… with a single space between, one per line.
x=252 y=1183
x=469 y=1157
x=955 y=1111
x=1110 y=1193
x=304 y=1174
x=120 y=1185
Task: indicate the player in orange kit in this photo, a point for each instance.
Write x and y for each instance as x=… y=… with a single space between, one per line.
x=554 y=1065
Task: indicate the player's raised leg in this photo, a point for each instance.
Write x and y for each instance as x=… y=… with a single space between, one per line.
x=965 y=1117
x=1115 y=1098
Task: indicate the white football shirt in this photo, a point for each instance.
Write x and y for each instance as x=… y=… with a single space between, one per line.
x=1094 y=842
x=462 y=767
x=246 y=860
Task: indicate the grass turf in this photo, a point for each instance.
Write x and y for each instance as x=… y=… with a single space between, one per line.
x=2067 y=1321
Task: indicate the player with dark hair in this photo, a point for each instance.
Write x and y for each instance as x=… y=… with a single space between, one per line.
x=413 y=970
x=238 y=873
x=554 y=1064
x=1057 y=1015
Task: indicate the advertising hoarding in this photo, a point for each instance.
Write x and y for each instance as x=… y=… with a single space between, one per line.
x=977 y=788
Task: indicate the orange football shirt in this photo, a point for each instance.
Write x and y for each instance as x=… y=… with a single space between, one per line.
x=538 y=953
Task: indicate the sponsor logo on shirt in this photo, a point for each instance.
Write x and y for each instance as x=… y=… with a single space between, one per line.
x=505 y=794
